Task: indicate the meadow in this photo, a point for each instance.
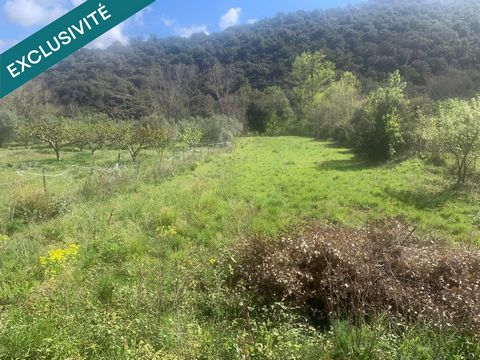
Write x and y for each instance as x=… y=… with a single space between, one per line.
x=114 y=259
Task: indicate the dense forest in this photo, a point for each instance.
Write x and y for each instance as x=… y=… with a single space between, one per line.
x=434 y=44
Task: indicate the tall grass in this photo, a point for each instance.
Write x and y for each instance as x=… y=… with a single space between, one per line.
x=137 y=289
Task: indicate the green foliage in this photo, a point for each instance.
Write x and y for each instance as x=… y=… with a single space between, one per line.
x=458 y=134
x=334 y=109
x=433 y=46
x=219 y=129
x=24 y=133
x=378 y=126
x=133 y=137
x=34 y=205
x=8 y=121
x=190 y=135
x=270 y=112
x=55 y=131
x=312 y=73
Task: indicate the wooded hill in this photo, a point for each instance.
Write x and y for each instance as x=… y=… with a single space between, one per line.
x=434 y=44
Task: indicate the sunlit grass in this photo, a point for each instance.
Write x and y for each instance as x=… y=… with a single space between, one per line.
x=145 y=239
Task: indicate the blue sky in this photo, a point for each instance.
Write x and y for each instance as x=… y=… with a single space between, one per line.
x=21 y=18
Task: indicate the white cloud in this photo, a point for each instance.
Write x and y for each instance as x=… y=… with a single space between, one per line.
x=111 y=37
x=231 y=18
x=167 y=22
x=34 y=12
x=138 y=18
x=42 y=12
x=190 y=30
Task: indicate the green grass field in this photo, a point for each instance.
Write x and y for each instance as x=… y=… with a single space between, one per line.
x=143 y=283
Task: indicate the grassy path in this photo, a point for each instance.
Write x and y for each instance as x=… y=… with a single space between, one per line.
x=288 y=178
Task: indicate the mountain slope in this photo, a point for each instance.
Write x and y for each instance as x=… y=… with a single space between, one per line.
x=435 y=44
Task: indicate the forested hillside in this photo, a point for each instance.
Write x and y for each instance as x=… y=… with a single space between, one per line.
x=435 y=44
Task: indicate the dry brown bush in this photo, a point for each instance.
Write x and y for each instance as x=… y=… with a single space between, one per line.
x=382 y=268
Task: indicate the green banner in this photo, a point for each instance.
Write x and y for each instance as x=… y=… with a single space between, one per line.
x=61 y=38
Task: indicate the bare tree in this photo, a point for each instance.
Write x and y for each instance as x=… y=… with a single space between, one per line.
x=223 y=80
x=173 y=88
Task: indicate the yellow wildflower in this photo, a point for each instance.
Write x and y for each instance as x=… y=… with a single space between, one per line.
x=166 y=231
x=56 y=259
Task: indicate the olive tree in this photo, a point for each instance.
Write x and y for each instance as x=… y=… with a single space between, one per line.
x=219 y=129
x=458 y=134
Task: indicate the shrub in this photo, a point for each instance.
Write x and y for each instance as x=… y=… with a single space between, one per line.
x=33 y=206
x=334 y=109
x=458 y=134
x=378 y=127
x=219 y=129
x=190 y=135
x=382 y=268
x=7 y=126
x=105 y=183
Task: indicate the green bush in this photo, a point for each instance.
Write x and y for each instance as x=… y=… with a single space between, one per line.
x=219 y=129
x=7 y=126
x=334 y=110
x=458 y=135
x=378 y=128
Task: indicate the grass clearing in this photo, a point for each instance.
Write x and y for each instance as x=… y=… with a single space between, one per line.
x=144 y=283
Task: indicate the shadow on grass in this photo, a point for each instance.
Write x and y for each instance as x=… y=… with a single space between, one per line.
x=353 y=164
x=423 y=199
